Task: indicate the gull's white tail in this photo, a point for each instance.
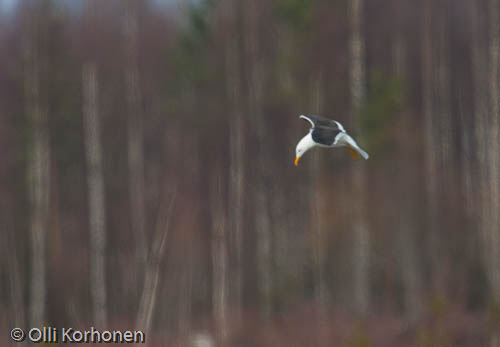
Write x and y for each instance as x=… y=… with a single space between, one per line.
x=361 y=152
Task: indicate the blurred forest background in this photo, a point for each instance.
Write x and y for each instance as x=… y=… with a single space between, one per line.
x=147 y=178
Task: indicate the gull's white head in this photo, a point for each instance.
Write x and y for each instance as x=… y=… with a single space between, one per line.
x=303 y=146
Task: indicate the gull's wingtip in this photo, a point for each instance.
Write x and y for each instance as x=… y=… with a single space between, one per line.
x=303 y=116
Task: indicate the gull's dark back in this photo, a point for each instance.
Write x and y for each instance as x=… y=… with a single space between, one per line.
x=324 y=135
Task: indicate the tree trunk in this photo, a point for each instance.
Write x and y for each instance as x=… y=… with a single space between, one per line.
x=493 y=250
x=468 y=159
x=152 y=267
x=431 y=147
x=135 y=140
x=16 y=280
x=405 y=231
x=316 y=209
x=442 y=130
x=361 y=252
x=481 y=134
x=38 y=166
x=219 y=258
x=263 y=227
x=237 y=157
x=186 y=295
x=95 y=177
x=263 y=222
x=443 y=109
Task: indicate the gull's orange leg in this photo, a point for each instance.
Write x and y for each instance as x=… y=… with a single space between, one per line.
x=354 y=154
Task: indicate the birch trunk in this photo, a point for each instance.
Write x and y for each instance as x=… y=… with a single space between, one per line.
x=152 y=267
x=135 y=139
x=38 y=168
x=361 y=252
x=95 y=177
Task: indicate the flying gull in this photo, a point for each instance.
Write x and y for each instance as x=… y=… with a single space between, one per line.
x=326 y=133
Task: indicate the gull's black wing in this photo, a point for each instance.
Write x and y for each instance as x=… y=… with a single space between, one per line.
x=318 y=121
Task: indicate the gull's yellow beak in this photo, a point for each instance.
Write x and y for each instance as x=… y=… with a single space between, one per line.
x=297 y=161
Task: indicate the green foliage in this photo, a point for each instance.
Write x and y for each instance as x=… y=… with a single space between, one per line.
x=384 y=100
x=192 y=71
x=199 y=25
x=295 y=13
x=62 y=88
x=189 y=59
